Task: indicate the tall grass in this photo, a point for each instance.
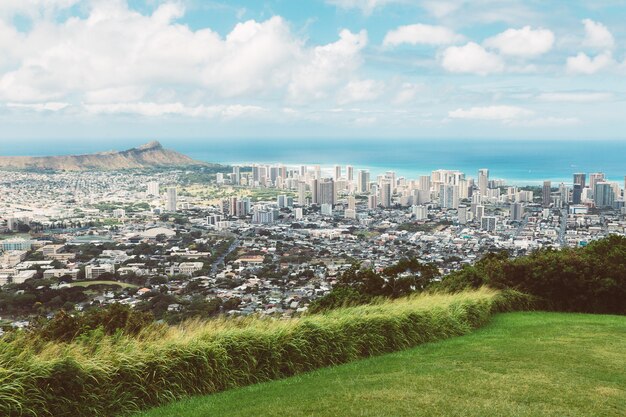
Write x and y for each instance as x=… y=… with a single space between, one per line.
x=101 y=375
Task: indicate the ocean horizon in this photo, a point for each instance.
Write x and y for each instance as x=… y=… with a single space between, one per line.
x=516 y=161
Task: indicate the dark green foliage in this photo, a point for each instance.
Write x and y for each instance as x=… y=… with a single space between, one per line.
x=590 y=279
x=65 y=328
x=359 y=286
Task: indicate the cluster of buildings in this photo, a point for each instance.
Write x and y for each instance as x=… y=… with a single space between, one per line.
x=274 y=255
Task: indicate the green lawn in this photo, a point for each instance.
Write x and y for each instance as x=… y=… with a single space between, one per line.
x=521 y=364
x=92 y=283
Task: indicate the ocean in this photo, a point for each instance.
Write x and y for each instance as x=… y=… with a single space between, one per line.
x=519 y=162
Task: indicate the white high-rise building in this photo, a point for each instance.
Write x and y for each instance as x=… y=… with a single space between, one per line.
x=171 y=199
x=420 y=212
x=350 y=172
x=449 y=196
x=372 y=202
x=462 y=214
x=302 y=193
x=337 y=172
x=351 y=203
x=153 y=188
x=483 y=181
x=385 y=194
x=595 y=178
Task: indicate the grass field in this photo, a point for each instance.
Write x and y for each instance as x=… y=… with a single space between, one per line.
x=87 y=284
x=521 y=364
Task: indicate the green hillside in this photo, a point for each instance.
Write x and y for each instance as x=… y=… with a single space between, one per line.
x=521 y=364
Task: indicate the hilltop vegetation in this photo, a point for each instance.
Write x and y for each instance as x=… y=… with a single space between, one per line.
x=104 y=372
x=521 y=364
x=590 y=279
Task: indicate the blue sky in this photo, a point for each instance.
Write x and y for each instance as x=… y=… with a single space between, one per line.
x=428 y=69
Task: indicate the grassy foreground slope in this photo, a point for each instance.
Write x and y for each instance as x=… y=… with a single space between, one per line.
x=521 y=364
x=105 y=375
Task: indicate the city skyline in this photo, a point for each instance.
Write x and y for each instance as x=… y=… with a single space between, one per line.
x=90 y=70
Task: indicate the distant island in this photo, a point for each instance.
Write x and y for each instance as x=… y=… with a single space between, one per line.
x=149 y=155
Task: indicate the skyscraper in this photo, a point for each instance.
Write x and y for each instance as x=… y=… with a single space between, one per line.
x=483 y=181
x=595 y=178
x=516 y=212
x=302 y=193
x=546 y=194
x=153 y=188
x=350 y=172
x=580 y=178
x=604 y=195
x=363 y=181
x=236 y=177
x=449 y=196
x=326 y=190
x=171 y=199
x=577 y=192
x=337 y=172
x=385 y=194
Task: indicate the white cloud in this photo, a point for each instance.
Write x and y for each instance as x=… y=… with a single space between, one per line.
x=39 y=107
x=407 y=93
x=150 y=109
x=365 y=6
x=421 y=34
x=490 y=113
x=115 y=54
x=575 y=97
x=524 y=42
x=583 y=64
x=361 y=90
x=471 y=58
x=545 y=122
x=597 y=35
x=324 y=67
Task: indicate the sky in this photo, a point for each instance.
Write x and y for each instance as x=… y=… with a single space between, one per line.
x=304 y=69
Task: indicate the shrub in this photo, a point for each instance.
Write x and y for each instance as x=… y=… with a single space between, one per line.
x=590 y=279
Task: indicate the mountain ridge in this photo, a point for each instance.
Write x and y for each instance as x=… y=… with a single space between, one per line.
x=149 y=155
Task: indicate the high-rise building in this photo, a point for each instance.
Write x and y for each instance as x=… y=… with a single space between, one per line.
x=563 y=194
x=351 y=202
x=462 y=214
x=480 y=212
x=595 y=178
x=385 y=194
x=315 y=191
x=604 y=195
x=580 y=178
x=363 y=181
x=236 y=177
x=302 y=193
x=488 y=223
x=171 y=199
x=350 y=172
x=517 y=212
x=420 y=212
x=153 y=188
x=483 y=181
x=449 y=196
x=372 y=202
x=326 y=191
x=337 y=172
x=546 y=193
x=577 y=192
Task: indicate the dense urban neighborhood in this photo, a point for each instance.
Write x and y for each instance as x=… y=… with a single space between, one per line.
x=238 y=240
